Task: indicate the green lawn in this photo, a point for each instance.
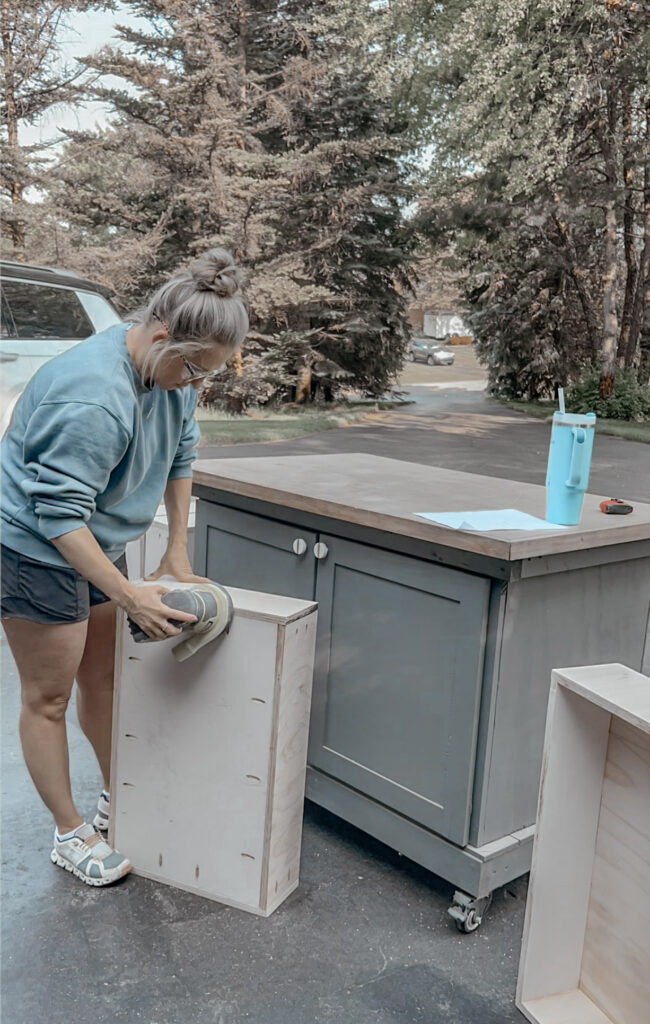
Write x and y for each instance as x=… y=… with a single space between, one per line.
x=281 y=424
x=619 y=428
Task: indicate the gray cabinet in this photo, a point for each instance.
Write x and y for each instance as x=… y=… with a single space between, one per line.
x=435 y=646
x=248 y=551
x=398 y=680
x=399 y=658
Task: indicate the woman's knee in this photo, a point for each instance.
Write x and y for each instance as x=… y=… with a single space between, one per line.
x=49 y=701
x=47 y=658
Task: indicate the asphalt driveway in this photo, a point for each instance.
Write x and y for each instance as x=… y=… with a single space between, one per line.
x=365 y=939
x=466 y=431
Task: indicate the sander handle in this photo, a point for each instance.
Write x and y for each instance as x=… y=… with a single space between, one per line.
x=179 y=599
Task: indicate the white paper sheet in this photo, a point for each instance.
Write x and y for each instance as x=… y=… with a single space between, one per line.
x=490 y=520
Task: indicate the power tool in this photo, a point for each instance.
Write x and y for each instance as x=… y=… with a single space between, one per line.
x=615 y=507
x=213 y=608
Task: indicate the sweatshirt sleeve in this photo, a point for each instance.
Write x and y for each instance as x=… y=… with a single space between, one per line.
x=190 y=436
x=70 y=450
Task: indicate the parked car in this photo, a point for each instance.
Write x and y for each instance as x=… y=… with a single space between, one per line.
x=427 y=350
x=43 y=312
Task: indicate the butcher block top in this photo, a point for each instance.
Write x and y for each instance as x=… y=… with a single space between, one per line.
x=384 y=494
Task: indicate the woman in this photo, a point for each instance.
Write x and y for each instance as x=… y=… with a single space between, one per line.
x=99 y=435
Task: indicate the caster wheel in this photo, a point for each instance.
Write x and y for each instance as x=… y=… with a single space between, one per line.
x=467 y=912
x=470 y=923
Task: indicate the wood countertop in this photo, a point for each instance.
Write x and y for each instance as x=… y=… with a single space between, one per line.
x=384 y=494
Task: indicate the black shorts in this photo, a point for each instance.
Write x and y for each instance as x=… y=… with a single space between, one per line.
x=46 y=593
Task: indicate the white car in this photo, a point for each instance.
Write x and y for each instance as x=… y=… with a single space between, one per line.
x=44 y=312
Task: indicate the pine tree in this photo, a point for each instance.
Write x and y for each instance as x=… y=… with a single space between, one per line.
x=350 y=211
x=259 y=127
x=36 y=79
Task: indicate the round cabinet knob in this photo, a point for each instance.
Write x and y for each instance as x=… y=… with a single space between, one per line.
x=299 y=546
x=321 y=550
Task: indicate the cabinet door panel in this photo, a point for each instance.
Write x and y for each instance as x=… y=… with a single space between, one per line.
x=398 y=679
x=248 y=551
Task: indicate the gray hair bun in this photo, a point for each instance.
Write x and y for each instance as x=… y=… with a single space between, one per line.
x=215 y=271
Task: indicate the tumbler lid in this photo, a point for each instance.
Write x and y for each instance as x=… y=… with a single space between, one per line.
x=569 y=419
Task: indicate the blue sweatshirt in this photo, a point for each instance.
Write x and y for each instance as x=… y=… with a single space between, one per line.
x=90 y=445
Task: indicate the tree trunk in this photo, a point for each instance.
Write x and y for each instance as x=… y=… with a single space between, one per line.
x=640 y=319
x=610 y=319
x=236 y=404
x=236 y=361
x=580 y=279
x=16 y=225
x=609 y=343
x=242 y=17
x=626 y=353
x=303 y=387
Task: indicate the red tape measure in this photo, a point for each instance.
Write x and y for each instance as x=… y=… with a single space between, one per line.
x=615 y=507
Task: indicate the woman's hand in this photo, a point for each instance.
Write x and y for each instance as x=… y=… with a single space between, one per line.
x=145 y=607
x=176 y=563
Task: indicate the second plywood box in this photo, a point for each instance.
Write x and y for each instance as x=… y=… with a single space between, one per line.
x=209 y=756
x=586 y=946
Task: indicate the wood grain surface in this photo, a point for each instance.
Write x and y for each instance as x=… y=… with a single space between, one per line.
x=215 y=749
x=385 y=494
x=616 y=958
x=585 y=947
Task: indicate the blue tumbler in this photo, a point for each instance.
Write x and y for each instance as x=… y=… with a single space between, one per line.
x=569 y=459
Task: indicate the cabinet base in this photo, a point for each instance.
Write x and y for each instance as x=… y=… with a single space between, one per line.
x=477 y=870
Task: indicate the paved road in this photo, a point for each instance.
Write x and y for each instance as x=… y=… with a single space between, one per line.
x=469 y=432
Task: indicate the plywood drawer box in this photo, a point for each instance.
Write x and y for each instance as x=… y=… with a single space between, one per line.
x=586 y=948
x=209 y=756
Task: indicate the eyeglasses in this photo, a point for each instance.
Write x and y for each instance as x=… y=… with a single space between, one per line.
x=194 y=372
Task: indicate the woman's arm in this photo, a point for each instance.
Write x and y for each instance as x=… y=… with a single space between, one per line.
x=175 y=561
x=142 y=604
x=177 y=502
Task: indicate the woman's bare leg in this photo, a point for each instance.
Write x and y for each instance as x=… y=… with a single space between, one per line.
x=47 y=658
x=95 y=684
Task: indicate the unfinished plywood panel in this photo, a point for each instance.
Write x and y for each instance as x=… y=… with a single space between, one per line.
x=566 y=1008
x=616 y=958
x=586 y=948
x=286 y=787
x=209 y=756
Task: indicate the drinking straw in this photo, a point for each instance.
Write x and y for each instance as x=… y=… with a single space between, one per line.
x=560 y=395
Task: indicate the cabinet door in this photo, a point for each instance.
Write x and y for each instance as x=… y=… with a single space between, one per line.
x=397 y=681
x=243 y=550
